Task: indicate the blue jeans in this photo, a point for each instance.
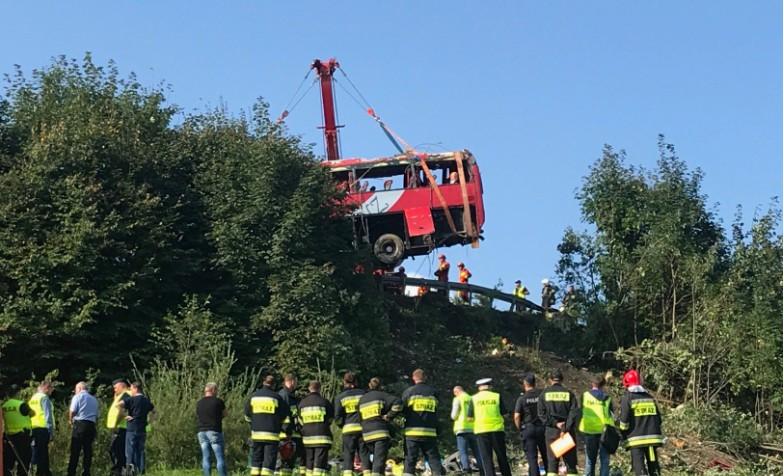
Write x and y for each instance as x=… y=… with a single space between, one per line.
x=135 y=442
x=594 y=450
x=465 y=440
x=214 y=441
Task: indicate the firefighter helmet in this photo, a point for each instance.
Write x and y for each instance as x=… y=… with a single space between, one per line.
x=631 y=378
x=287 y=450
x=545 y=281
x=441 y=256
x=460 y=265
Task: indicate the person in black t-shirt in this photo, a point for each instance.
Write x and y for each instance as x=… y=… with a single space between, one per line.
x=137 y=410
x=526 y=420
x=210 y=412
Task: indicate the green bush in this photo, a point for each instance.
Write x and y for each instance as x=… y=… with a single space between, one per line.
x=725 y=427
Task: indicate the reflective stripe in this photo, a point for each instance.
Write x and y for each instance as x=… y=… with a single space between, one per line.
x=375 y=435
x=557 y=396
x=644 y=440
x=350 y=404
x=352 y=428
x=267 y=472
x=423 y=404
x=313 y=414
x=420 y=431
x=283 y=435
x=263 y=404
x=371 y=409
x=264 y=436
x=316 y=440
x=319 y=472
x=624 y=425
x=254 y=471
x=347 y=472
x=652 y=453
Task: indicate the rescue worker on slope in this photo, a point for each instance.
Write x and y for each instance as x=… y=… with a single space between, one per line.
x=547 y=294
x=265 y=410
x=640 y=425
x=464 y=276
x=419 y=404
x=443 y=268
x=463 y=428
x=559 y=411
x=16 y=433
x=377 y=409
x=527 y=421
x=291 y=427
x=42 y=422
x=521 y=292
x=316 y=414
x=487 y=409
x=596 y=414
x=118 y=426
x=347 y=417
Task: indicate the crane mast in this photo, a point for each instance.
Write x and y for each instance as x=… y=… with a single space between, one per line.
x=325 y=71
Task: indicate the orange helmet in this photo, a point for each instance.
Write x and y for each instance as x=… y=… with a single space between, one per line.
x=287 y=450
x=460 y=265
x=441 y=256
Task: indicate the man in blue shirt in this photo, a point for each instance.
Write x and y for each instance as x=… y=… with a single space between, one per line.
x=136 y=409
x=82 y=415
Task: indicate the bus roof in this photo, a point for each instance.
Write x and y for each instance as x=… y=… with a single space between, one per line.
x=402 y=159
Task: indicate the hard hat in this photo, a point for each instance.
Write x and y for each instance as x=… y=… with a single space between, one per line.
x=460 y=265
x=402 y=268
x=631 y=378
x=441 y=256
x=287 y=450
x=544 y=281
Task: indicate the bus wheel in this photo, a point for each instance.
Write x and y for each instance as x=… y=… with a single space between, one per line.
x=389 y=248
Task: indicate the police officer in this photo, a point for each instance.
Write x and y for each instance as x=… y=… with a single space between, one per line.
x=316 y=414
x=346 y=415
x=640 y=424
x=42 y=420
x=419 y=404
x=291 y=427
x=377 y=409
x=117 y=426
x=265 y=410
x=487 y=409
x=558 y=409
x=16 y=439
x=526 y=420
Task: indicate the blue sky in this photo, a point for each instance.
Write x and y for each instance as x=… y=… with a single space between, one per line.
x=533 y=89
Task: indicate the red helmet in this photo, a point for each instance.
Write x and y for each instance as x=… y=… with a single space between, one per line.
x=441 y=256
x=460 y=265
x=287 y=450
x=631 y=378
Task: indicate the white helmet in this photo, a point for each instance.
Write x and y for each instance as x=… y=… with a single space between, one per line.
x=545 y=281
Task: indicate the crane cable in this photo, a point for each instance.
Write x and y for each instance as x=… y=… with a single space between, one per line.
x=288 y=108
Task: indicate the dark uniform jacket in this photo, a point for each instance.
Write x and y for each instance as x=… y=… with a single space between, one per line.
x=374 y=405
x=556 y=404
x=640 y=420
x=346 y=411
x=290 y=425
x=419 y=404
x=315 y=415
x=527 y=407
x=266 y=410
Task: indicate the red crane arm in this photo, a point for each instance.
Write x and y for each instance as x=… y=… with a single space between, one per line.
x=325 y=71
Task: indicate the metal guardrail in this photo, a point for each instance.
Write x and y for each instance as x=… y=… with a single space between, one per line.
x=470 y=288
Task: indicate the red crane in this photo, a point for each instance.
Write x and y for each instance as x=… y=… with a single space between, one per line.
x=325 y=71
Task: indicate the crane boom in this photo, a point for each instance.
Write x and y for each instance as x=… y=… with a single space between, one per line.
x=325 y=71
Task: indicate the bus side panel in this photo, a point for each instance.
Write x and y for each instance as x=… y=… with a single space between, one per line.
x=419 y=221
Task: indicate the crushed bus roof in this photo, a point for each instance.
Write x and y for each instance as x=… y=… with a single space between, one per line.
x=402 y=159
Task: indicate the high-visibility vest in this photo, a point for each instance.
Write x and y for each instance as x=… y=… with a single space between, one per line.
x=114 y=412
x=486 y=412
x=462 y=424
x=520 y=292
x=13 y=420
x=464 y=275
x=38 y=420
x=595 y=414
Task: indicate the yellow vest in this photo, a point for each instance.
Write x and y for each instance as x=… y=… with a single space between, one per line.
x=14 y=421
x=114 y=412
x=486 y=412
x=595 y=414
x=38 y=420
x=461 y=424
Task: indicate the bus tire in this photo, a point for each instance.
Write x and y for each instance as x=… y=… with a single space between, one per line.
x=389 y=248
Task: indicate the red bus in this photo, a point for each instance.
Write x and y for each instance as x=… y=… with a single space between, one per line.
x=408 y=205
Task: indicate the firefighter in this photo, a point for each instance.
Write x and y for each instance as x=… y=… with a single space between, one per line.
x=400 y=288
x=346 y=415
x=422 y=290
x=291 y=428
x=118 y=426
x=265 y=410
x=419 y=404
x=16 y=436
x=596 y=414
x=316 y=414
x=463 y=428
x=526 y=420
x=547 y=294
x=487 y=409
x=464 y=276
x=520 y=292
x=377 y=409
x=42 y=421
x=640 y=425
x=443 y=269
x=558 y=410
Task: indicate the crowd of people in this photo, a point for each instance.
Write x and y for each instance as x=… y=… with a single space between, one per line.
x=289 y=433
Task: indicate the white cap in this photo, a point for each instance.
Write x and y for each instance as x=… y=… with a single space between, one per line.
x=484 y=381
x=544 y=281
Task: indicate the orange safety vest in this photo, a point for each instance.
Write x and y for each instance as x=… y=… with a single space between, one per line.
x=464 y=275
x=443 y=271
x=423 y=290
